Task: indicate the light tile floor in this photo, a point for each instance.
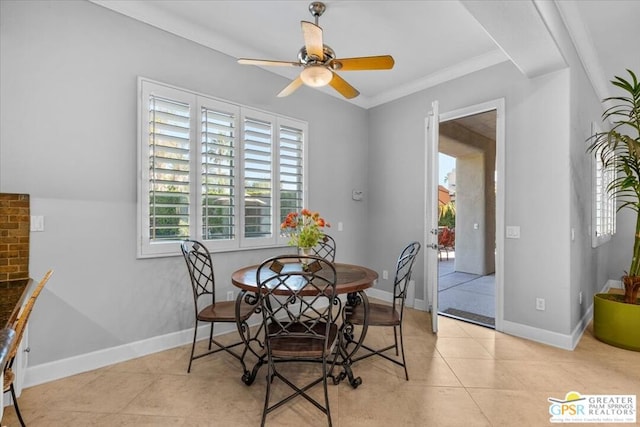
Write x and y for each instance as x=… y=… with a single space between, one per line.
x=467 y=376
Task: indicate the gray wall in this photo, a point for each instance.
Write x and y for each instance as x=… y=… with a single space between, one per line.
x=536 y=116
x=68 y=137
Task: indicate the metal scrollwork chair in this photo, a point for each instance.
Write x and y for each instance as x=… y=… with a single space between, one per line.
x=206 y=308
x=19 y=328
x=326 y=248
x=389 y=315
x=297 y=306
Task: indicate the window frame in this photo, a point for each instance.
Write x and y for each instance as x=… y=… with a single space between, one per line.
x=603 y=206
x=146 y=247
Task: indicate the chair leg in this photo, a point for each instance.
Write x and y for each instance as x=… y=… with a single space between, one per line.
x=210 y=335
x=326 y=391
x=404 y=362
x=193 y=346
x=270 y=375
x=15 y=405
x=395 y=338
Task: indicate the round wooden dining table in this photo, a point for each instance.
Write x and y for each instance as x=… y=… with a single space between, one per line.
x=351 y=279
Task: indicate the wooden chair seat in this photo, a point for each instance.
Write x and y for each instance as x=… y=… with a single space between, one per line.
x=225 y=311
x=379 y=315
x=299 y=346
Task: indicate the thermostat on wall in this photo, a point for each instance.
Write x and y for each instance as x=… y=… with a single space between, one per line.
x=357 y=195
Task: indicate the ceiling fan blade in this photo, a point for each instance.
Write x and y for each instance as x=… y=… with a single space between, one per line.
x=341 y=85
x=295 y=84
x=248 y=61
x=313 y=39
x=383 y=62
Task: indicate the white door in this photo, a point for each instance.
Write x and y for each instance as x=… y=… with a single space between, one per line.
x=431 y=211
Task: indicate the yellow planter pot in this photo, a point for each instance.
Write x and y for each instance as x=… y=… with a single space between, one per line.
x=615 y=322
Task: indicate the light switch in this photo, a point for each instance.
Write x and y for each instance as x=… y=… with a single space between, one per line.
x=513 y=231
x=37 y=223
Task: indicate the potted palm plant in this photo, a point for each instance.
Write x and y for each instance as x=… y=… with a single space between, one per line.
x=616 y=318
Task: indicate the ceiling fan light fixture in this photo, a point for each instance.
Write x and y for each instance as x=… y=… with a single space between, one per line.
x=316 y=75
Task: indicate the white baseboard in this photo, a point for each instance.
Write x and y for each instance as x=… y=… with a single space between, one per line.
x=581 y=326
x=46 y=372
x=555 y=339
x=418 y=304
x=379 y=294
x=612 y=284
x=539 y=335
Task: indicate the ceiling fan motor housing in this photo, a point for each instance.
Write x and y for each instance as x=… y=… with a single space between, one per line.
x=306 y=59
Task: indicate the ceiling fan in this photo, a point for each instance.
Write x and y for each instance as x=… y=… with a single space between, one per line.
x=319 y=63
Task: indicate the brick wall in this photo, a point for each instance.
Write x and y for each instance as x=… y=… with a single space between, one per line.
x=14 y=236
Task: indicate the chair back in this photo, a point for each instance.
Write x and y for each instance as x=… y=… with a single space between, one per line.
x=404 y=267
x=326 y=248
x=200 y=267
x=297 y=304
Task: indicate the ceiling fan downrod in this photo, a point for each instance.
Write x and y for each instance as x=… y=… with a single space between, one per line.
x=317 y=8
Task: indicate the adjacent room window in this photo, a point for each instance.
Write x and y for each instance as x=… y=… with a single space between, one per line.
x=214 y=171
x=603 y=211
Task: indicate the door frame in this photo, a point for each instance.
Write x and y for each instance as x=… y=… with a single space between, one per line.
x=499 y=106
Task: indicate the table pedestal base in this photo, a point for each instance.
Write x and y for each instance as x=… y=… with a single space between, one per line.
x=344 y=356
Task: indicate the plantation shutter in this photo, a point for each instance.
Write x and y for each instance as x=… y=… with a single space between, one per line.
x=218 y=174
x=214 y=171
x=603 y=210
x=291 y=141
x=258 y=173
x=169 y=184
x=605 y=205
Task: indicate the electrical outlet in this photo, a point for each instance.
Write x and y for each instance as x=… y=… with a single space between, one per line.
x=513 y=232
x=230 y=296
x=540 y=304
x=385 y=274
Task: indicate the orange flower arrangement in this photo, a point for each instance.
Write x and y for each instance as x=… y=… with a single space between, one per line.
x=305 y=229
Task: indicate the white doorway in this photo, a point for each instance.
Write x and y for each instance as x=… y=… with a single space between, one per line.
x=479 y=234
x=466 y=225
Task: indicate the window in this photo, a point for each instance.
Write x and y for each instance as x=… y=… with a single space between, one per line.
x=603 y=210
x=214 y=171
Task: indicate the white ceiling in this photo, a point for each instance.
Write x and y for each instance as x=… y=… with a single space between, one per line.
x=431 y=41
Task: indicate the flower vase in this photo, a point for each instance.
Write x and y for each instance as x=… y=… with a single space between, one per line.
x=304 y=251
